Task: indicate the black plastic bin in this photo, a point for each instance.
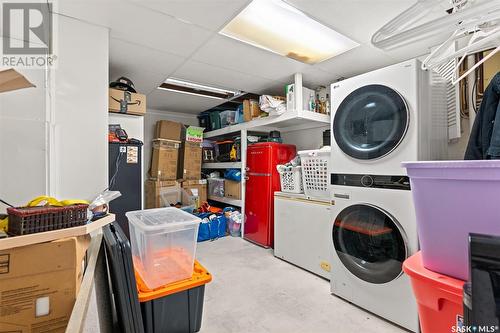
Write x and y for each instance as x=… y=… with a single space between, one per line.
x=204 y=121
x=179 y=312
x=176 y=307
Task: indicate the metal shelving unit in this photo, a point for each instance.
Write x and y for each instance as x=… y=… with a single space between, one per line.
x=222 y=165
x=229 y=201
x=288 y=121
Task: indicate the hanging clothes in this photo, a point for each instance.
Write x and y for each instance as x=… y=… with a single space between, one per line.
x=484 y=141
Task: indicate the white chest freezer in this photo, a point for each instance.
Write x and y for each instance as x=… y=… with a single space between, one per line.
x=302 y=232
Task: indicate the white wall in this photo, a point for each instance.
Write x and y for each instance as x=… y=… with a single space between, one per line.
x=150 y=119
x=133 y=125
x=305 y=139
x=81 y=110
x=53 y=138
x=23 y=145
x=457 y=147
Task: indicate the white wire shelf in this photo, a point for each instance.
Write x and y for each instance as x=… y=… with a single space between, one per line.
x=229 y=201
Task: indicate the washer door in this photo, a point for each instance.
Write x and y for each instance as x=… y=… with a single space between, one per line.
x=370 y=122
x=369 y=243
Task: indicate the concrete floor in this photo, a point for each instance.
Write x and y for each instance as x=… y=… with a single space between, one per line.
x=252 y=291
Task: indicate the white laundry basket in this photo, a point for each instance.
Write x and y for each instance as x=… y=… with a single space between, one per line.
x=315 y=176
x=291 y=179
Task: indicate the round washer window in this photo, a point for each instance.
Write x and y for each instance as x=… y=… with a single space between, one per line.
x=370 y=122
x=369 y=243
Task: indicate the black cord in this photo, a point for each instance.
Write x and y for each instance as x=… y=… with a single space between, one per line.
x=6 y=203
x=117 y=167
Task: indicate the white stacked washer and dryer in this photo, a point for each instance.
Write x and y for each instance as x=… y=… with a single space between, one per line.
x=380 y=119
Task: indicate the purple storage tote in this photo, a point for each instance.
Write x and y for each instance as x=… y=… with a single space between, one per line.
x=453 y=199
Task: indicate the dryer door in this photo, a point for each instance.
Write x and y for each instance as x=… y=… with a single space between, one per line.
x=370 y=122
x=369 y=243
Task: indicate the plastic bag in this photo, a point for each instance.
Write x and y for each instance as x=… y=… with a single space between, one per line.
x=104 y=198
x=272 y=105
x=234 y=220
x=233 y=174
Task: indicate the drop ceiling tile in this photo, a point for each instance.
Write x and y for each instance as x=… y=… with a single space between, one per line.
x=357 y=61
x=140 y=25
x=224 y=78
x=231 y=54
x=144 y=82
x=357 y=19
x=315 y=77
x=195 y=11
x=274 y=89
x=124 y=54
x=176 y=102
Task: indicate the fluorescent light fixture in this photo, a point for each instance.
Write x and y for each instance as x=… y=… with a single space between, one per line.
x=197 y=89
x=278 y=27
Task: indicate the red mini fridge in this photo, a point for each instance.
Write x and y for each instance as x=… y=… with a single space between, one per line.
x=262 y=180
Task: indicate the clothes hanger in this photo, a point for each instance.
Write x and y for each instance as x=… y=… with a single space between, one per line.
x=481 y=40
x=494 y=33
x=407 y=28
x=477 y=64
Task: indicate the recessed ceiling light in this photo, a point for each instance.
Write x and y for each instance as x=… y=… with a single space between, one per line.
x=278 y=27
x=197 y=89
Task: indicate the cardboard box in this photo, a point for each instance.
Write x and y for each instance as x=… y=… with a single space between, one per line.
x=190 y=161
x=126 y=102
x=232 y=189
x=39 y=285
x=153 y=190
x=169 y=130
x=10 y=79
x=197 y=187
x=251 y=109
x=164 y=159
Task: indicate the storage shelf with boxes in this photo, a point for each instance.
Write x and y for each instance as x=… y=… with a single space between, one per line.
x=176 y=164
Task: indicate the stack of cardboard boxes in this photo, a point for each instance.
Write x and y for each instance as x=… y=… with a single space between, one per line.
x=175 y=162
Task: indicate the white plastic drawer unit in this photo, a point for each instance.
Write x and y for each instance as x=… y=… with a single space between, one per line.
x=302 y=232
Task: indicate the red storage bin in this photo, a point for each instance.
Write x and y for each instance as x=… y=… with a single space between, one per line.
x=439 y=297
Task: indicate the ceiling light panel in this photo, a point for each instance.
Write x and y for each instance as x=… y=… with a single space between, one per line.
x=278 y=27
x=198 y=89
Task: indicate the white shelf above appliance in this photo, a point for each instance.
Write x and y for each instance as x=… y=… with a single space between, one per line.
x=221 y=165
x=288 y=121
x=229 y=201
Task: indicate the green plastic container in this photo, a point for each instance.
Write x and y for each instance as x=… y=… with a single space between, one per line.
x=215 y=120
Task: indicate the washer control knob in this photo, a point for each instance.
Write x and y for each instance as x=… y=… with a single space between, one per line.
x=367 y=181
